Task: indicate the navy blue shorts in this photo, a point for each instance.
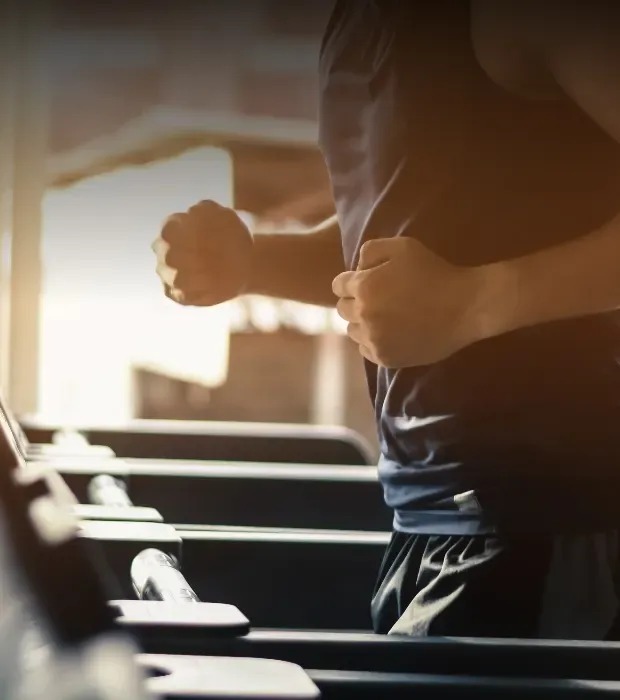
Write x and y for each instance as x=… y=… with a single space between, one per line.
x=553 y=587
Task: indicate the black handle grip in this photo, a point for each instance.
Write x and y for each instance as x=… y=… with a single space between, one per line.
x=155 y=576
x=104 y=490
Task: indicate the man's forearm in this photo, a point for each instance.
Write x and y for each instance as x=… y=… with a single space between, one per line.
x=579 y=278
x=300 y=267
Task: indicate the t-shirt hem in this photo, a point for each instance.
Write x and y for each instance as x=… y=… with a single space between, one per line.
x=434 y=523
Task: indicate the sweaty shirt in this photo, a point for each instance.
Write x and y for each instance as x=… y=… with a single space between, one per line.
x=521 y=431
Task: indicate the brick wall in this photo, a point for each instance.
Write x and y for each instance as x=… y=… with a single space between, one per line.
x=270 y=379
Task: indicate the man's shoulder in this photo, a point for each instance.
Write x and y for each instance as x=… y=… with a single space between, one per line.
x=506 y=39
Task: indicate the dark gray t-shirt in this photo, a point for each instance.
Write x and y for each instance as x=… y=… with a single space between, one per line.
x=521 y=431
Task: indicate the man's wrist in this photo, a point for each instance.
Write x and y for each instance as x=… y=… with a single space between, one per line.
x=258 y=275
x=496 y=306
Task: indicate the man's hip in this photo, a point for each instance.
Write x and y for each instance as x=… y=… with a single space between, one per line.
x=527 y=586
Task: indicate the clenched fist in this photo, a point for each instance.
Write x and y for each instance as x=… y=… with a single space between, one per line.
x=204 y=256
x=407 y=307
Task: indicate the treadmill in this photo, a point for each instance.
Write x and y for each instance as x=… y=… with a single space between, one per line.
x=68 y=445
x=62 y=638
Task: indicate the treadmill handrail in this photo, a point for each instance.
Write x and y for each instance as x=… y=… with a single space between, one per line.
x=282 y=535
x=223 y=470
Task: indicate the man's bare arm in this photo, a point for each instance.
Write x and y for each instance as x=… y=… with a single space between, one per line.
x=407 y=307
x=578 y=44
x=300 y=267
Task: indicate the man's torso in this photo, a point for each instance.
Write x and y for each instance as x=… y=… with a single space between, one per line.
x=420 y=142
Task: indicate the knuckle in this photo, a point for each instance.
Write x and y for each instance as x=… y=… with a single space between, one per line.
x=380 y=352
x=371 y=244
x=365 y=248
x=368 y=285
x=363 y=311
x=166 y=274
x=186 y=281
x=177 y=296
x=362 y=291
x=375 y=333
x=369 y=314
x=206 y=211
x=160 y=247
x=174 y=228
x=210 y=223
x=175 y=258
x=205 y=205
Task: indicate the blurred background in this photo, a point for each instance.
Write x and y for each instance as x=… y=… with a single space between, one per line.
x=123 y=113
